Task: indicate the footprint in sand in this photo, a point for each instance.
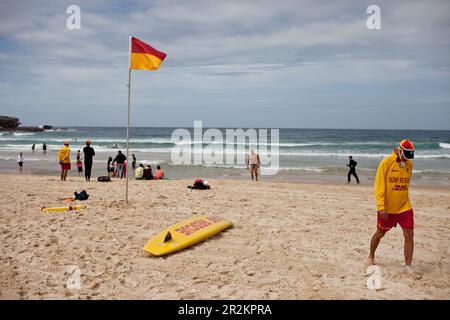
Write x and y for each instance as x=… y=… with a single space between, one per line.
x=413 y=275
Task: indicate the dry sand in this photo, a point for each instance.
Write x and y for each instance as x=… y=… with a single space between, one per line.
x=289 y=241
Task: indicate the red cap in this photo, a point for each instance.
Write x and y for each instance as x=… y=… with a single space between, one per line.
x=406 y=145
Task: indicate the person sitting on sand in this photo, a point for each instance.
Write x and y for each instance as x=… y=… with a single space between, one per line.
x=139 y=172
x=20 y=161
x=79 y=164
x=148 y=174
x=253 y=162
x=159 y=173
x=64 y=160
x=391 y=194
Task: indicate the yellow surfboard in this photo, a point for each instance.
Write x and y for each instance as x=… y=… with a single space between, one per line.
x=62 y=209
x=185 y=234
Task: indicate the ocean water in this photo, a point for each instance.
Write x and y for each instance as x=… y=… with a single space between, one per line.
x=321 y=151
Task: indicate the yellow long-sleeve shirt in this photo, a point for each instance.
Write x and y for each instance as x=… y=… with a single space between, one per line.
x=392 y=185
x=139 y=173
x=63 y=154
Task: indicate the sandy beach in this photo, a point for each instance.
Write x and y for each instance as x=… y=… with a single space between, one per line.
x=289 y=241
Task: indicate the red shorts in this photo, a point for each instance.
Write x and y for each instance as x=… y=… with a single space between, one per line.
x=65 y=166
x=404 y=219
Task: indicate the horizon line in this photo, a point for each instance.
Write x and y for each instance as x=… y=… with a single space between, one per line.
x=228 y=127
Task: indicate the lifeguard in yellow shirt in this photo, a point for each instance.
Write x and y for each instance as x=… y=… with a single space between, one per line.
x=392 y=197
x=64 y=160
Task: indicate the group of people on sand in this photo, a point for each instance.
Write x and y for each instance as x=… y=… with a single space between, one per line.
x=64 y=160
x=117 y=167
x=142 y=173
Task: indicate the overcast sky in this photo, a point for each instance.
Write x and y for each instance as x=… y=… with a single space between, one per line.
x=298 y=64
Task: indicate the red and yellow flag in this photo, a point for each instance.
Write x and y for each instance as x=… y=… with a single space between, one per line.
x=144 y=56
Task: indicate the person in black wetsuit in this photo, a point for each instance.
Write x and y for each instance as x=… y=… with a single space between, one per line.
x=109 y=168
x=133 y=163
x=89 y=153
x=352 y=172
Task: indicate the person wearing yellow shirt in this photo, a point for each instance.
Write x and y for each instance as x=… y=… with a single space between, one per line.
x=64 y=160
x=139 y=172
x=392 y=197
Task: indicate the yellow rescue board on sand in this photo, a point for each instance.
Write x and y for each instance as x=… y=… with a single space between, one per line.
x=62 y=209
x=185 y=234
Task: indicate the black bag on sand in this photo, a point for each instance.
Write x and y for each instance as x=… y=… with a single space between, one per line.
x=200 y=184
x=104 y=179
x=81 y=196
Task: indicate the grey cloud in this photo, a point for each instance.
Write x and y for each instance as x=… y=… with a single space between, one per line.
x=286 y=53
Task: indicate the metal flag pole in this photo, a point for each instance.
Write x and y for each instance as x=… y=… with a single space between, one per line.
x=128 y=134
x=128 y=125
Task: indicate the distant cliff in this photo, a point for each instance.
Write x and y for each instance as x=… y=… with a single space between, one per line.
x=12 y=124
x=9 y=123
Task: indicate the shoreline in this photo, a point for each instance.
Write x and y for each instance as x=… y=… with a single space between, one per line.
x=440 y=180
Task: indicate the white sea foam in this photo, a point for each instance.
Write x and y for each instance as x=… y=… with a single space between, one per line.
x=168 y=150
x=444 y=145
x=26 y=159
x=431 y=171
x=111 y=141
x=10 y=135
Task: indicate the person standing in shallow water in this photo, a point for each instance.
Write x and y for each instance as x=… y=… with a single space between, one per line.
x=352 y=172
x=133 y=163
x=89 y=154
x=44 y=148
x=253 y=164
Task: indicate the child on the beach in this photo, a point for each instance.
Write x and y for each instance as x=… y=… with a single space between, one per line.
x=79 y=164
x=159 y=173
x=20 y=161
